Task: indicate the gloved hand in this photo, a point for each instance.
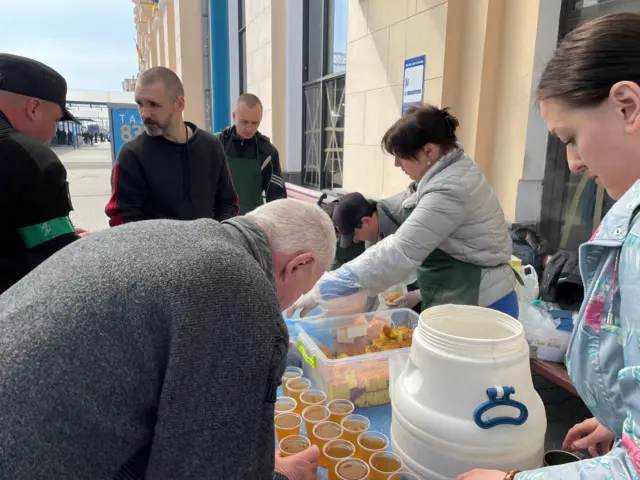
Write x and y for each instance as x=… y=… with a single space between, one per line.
x=331 y=286
x=409 y=300
x=307 y=302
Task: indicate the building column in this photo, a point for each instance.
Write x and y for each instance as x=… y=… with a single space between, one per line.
x=153 y=46
x=219 y=42
x=168 y=22
x=294 y=40
x=189 y=58
x=160 y=45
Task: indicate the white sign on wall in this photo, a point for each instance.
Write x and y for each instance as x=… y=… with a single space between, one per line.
x=413 y=88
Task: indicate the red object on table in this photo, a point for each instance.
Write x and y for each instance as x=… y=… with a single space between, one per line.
x=556 y=373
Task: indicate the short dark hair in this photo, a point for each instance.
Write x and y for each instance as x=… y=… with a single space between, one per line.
x=163 y=75
x=419 y=126
x=591 y=59
x=250 y=100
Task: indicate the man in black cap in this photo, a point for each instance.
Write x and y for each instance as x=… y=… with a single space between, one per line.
x=34 y=194
x=358 y=220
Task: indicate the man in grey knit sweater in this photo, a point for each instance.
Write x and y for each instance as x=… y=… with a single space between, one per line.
x=154 y=350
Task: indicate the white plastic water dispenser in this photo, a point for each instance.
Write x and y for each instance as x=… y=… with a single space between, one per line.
x=465 y=399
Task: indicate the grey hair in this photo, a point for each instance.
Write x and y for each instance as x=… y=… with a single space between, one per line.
x=164 y=75
x=295 y=226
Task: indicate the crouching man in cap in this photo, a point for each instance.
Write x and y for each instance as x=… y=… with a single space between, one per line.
x=154 y=350
x=34 y=194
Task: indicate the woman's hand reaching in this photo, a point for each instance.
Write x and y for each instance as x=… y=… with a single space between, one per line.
x=589 y=435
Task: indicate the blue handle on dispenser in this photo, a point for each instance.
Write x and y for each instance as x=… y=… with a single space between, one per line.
x=497 y=400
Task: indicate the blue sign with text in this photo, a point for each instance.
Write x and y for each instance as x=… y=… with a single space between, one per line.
x=413 y=87
x=126 y=125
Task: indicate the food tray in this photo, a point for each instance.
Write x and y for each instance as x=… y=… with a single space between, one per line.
x=363 y=379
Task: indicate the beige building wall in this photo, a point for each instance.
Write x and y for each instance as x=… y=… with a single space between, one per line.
x=176 y=44
x=189 y=57
x=479 y=62
x=266 y=65
x=381 y=36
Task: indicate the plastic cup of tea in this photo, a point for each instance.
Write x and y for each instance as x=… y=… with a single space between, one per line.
x=285 y=405
x=404 y=476
x=339 y=409
x=295 y=387
x=289 y=373
x=334 y=451
x=324 y=432
x=293 y=444
x=313 y=396
x=383 y=464
x=353 y=425
x=312 y=416
x=369 y=443
x=287 y=424
x=352 y=469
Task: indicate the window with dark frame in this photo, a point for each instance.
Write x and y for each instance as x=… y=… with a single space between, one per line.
x=324 y=67
x=242 y=46
x=573 y=204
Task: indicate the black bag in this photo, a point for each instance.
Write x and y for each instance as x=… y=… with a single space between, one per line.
x=529 y=246
x=561 y=281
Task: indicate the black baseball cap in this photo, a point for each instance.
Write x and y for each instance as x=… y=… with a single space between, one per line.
x=31 y=78
x=348 y=214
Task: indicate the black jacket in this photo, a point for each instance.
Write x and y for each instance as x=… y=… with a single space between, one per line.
x=234 y=146
x=155 y=178
x=34 y=204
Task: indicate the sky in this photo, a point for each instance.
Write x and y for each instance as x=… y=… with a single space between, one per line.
x=91 y=43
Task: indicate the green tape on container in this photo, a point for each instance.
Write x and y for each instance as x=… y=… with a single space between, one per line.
x=43 y=232
x=310 y=360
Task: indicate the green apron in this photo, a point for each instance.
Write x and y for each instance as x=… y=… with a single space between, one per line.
x=442 y=278
x=247 y=180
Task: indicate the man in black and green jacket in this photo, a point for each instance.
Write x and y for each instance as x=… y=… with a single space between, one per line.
x=253 y=160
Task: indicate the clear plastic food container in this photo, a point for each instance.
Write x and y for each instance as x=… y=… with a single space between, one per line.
x=363 y=378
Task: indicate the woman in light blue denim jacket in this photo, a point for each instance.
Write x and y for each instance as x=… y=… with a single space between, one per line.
x=589 y=96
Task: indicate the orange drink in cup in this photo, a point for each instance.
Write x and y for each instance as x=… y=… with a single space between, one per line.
x=293 y=444
x=289 y=373
x=369 y=443
x=340 y=409
x=287 y=424
x=312 y=416
x=383 y=464
x=295 y=387
x=352 y=469
x=353 y=425
x=313 y=396
x=334 y=451
x=285 y=405
x=324 y=432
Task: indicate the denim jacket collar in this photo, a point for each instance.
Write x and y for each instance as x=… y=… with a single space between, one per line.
x=614 y=227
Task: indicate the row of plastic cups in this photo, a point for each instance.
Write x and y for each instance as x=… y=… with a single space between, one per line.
x=319 y=418
x=320 y=430
x=342 y=463
x=338 y=409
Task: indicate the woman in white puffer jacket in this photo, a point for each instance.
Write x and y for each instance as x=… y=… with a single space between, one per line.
x=454 y=236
